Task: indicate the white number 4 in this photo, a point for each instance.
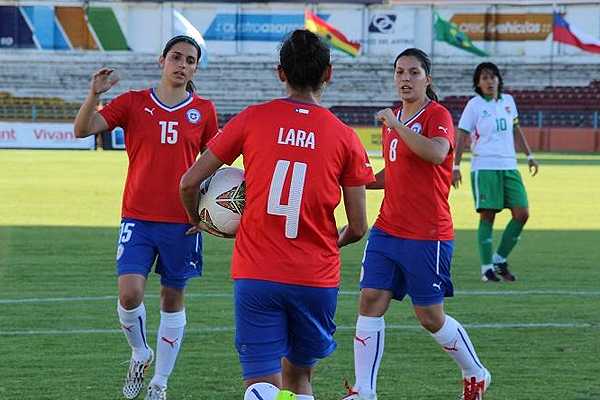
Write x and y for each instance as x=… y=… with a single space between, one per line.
x=290 y=211
x=168 y=133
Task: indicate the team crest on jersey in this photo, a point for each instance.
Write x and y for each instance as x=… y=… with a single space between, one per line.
x=507 y=108
x=416 y=128
x=485 y=114
x=193 y=116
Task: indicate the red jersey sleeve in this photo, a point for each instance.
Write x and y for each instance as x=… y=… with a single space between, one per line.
x=441 y=125
x=228 y=144
x=212 y=125
x=357 y=169
x=116 y=112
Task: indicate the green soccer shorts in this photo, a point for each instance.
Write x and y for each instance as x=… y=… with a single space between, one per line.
x=498 y=189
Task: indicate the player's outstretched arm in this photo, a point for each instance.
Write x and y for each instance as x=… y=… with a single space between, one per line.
x=460 y=148
x=355 y=205
x=88 y=121
x=189 y=186
x=379 y=181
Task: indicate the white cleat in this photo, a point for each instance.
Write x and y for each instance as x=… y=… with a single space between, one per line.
x=134 y=381
x=156 y=393
x=474 y=389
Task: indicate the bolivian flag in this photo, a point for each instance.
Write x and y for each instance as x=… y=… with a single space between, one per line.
x=330 y=35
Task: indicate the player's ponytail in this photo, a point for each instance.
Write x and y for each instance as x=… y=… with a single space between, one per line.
x=304 y=58
x=190 y=87
x=425 y=64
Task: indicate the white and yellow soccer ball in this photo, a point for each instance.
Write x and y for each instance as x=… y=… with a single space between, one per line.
x=222 y=200
x=266 y=391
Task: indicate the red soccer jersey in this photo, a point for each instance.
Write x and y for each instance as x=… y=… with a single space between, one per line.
x=162 y=143
x=415 y=203
x=296 y=157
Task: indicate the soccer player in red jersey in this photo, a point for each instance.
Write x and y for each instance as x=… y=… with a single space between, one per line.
x=409 y=250
x=286 y=264
x=165 y=129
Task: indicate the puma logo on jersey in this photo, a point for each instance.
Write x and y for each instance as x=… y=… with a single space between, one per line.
x=149 y=110
x=438 y=286
x=443 y=129
x=302 y=111
x=127 y=328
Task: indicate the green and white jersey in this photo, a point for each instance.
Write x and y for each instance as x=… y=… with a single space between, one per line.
x=490 y=124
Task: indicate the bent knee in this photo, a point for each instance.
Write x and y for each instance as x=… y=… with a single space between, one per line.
x=131 y=299
x=432 y=323
x=374 y=302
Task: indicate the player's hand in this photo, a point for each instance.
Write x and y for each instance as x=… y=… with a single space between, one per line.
x=533 y=166
x=456 y=178
x=200 y=226
x=103 y=80
x=387 y=117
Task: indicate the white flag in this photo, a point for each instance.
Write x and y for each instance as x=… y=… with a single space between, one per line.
x=181 y=26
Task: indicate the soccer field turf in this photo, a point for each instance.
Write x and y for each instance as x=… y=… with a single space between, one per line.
x=60 y=337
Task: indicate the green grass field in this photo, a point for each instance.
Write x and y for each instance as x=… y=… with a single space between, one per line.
x=60 y=337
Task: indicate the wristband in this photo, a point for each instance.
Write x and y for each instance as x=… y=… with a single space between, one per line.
x=530 y=157
x=456 y=168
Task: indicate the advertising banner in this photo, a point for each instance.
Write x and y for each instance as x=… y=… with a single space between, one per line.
x=505 y=27
x=43 y=135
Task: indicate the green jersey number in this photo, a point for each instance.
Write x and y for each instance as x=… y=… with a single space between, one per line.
x=501 y=125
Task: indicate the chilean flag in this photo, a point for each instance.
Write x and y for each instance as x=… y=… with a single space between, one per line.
x=564 y=33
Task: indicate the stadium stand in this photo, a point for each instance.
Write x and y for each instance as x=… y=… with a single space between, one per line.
x=53 y=85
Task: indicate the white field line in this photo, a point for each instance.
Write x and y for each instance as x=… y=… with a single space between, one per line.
x=458 y=293
x=212 y=329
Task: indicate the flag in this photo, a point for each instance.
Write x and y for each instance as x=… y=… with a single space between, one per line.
x=448 y=32
x=329 y=34
x=563 y=32
x=181 y=26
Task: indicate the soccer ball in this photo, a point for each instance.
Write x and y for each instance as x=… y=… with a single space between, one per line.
x=222 y=199
x=266 y=391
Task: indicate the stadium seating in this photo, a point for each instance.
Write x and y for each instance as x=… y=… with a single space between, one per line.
x=54 y=84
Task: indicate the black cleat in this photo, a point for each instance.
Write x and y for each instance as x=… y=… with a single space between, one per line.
x=502 y=270
x=489 y=276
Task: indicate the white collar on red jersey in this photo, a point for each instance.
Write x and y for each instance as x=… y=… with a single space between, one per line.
x=175 y=107
x=414 y=117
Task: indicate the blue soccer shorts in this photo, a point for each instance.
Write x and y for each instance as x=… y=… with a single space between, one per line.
x=142 y=243
x=419 y=268
x=275 y=320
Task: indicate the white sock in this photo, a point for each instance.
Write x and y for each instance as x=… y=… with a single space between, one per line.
x=454 y=340
x=486 y=267
x=305 y=397
x=368 y=351
x=133 y=325
x=168 y=343
x=497 y=258
x=261 y=391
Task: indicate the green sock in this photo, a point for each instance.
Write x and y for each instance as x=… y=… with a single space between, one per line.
x=484 y=239
x=510 y=237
